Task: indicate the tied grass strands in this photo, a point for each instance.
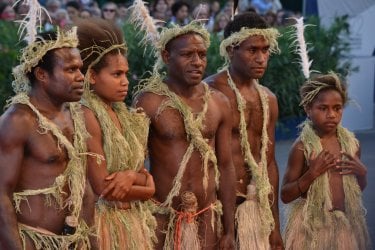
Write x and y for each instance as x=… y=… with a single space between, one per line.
x=73 y=176
x=247 y=222
x=193 y=126
x=188 y=237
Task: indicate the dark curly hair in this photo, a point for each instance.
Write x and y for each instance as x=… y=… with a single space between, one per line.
x=246 y=19
x=97 y=32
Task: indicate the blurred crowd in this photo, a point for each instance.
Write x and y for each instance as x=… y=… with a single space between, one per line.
x=214 y=15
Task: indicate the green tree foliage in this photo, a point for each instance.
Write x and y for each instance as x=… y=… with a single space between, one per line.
x=9 y=50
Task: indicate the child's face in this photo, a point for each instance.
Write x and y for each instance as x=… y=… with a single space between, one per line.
x=325 y=111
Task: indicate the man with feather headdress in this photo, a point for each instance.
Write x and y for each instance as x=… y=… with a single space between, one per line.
x=42 y=145
x=188 y=142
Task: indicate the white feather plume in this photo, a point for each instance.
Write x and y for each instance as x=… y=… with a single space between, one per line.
x=32 y=20
x=141 y=18
x=301 y=47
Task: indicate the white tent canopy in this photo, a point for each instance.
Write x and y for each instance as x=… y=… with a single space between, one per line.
x=329 y=8
x=362 y=38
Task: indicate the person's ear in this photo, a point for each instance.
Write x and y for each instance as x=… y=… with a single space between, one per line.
x=41 y=75
x=92 y=76
x=307 y=109
x=165 y=56
x=230 y=51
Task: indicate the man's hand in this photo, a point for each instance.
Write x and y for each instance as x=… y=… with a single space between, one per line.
x=276 y=241
x=119 y=185
x=227 y=242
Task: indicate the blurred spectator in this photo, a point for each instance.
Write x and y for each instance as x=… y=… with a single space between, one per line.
x=202 y=12
x=86 y=3
x=73 y=8
x=284 y=17
x=159 y=10
x=109 y=11
x=7 y=12
x=180 y=13
x=95 y=10
x=61 y=18
x=52 y=6
x=214 y=8
x=85 y=13
x=271 y=18
x=228 y=8
x=10 y=2
x=169 y=11
x=221 y=21
x=276 y=6
x=263 y=6
x=243 y=5
x=122 y=13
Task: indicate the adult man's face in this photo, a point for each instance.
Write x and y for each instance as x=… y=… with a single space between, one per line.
x=251 y=56
x=186 y=59
x=65 y=83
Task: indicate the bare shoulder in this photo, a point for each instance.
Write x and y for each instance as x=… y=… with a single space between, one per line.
x=219 y=98
x=296 y=160
x=217 y=81
x=91 y=121
x=273 y=105
x=16 y=125
x=148 y=102
x=297 y=146
x=271 y=96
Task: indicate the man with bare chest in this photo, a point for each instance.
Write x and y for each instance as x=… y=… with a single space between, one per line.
x=42 y=139
x=189 y=147
x=247 y=45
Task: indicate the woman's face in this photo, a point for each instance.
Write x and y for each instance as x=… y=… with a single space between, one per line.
x=161 y=6
x=109 y=11
x=111 y=82
x=223 y=21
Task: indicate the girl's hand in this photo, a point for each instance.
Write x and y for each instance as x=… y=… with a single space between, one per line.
x=351 y=165
x=318 y=165
x=119 y=185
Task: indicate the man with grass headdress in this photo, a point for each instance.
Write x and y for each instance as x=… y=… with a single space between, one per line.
x=189 y=145
x=42 y=141
x=247 y=44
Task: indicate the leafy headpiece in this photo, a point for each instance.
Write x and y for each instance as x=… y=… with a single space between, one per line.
x=37 y=47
